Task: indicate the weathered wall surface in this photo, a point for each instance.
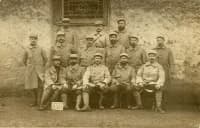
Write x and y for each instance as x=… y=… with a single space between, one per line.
x=19 y=18
x=178 y=20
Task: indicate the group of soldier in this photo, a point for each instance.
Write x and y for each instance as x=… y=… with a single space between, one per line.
x=113 y=63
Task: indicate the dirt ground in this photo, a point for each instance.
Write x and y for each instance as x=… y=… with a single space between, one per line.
x=17 y=113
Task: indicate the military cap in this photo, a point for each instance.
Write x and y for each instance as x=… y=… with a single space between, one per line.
x=98 y=54
x=73 y=56
x=152 y=52
x=121 y=19
x=99 y=22
x=56 y=57
x=66 y=20
x=32 y=35
x=132 y=36
x=89 y=37
x=162 y=37
x=124 y=54
x=113 y=33
x=60 y=33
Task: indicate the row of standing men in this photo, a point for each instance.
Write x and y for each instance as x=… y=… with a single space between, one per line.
x=118 y=43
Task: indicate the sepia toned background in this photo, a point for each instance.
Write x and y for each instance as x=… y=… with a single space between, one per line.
x=177 y=20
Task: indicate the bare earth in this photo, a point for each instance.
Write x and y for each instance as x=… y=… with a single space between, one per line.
x=17 y=113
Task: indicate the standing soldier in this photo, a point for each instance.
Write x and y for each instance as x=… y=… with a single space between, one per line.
x=71 y=38
x=74 y=73
x=35 y=60
x=137 y=55
x=60 y=49
x=166 y=59
x=113 y=51
x=100 y=38
x=86 y=57
x=150 y=77
x=123 y=80
x=96 y=79
x=55 y=83
x=123 y=34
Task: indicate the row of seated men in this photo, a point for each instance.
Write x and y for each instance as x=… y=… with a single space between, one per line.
x=109 y=49
x=97 y=78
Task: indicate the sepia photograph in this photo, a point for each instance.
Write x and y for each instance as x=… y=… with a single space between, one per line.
x=100 y=63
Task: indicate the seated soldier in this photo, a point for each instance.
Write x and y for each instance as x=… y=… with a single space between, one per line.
x=55 y=82
x=74 y=73
x=96 y=78
x=150 y=77
x=123 y=80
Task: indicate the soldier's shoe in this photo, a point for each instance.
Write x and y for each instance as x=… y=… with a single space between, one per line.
x=101 y=107
x=198 y=108
x=77 y=108
x=33 y=105
x=129 y=107
x=85 y=109
x=137 y=107
x=114 y=107
x=160 y=110
x=65 y=107
x=42 y=108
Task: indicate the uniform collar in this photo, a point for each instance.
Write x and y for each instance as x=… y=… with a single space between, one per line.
x=88 y=48
x=113 y=46
x=31 y=47
x=151 y=64
x=100 y=34
x=53 y=69
x=74 y=67
x=120 y=66
x=158 y=47
x=123 y=31
x=94 y=65
x=133 y=49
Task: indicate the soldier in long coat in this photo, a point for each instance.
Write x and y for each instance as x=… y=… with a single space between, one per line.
x=166 y=59
x=35 y=60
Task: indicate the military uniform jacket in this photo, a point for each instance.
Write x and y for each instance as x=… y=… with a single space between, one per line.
x=137 y=57
x=96 y=73
x=113 y=55
x=151 y=73
x=86 y=57
x=124 y=74
x=62 y=51
x=53 y=77
x=123 y=37
x=74 y=74
x=166 y=59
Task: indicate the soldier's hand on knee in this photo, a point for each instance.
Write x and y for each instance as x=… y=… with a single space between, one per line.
x=65 y=86
x=157 y=87
x=141 y=85
x=53 y=87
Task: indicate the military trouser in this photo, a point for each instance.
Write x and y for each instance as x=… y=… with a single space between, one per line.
x=119 y=90
x=197 y=94
x=65 y=95
x=95 y=90
x=50 y=95
x=158 y=95
x=37 y=92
